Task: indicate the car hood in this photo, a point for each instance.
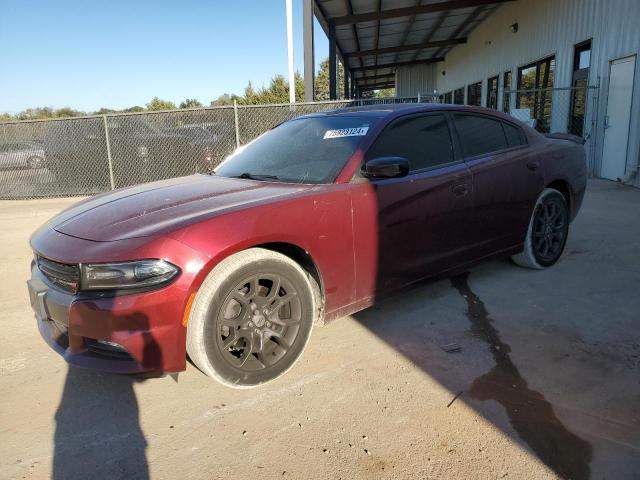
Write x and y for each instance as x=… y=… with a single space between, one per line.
x=164 y=206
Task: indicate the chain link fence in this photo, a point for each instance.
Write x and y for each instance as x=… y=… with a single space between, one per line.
x=88 y=155
x=561 y=110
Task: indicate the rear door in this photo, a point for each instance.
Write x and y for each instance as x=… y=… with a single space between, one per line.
x=506 y=180
x=422 y=219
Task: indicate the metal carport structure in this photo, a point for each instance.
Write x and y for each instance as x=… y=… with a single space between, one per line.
x=374 y=37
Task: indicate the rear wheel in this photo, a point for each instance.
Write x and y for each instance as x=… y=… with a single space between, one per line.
x=548 y=231
x=252 y=318
x=34 y=162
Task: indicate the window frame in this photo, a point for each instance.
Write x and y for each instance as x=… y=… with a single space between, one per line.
x=577 y=75
x=475 y=85
x=523 y=135
x=539 y=92
x=577 y=49
x=453 y=95
x=506 y=91
x=536 y=63
x=457 y=153
x=495 y=77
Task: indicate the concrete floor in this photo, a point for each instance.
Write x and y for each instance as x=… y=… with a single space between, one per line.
x=548 y=378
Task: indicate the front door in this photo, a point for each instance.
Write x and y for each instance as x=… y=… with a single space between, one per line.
x=422 y=218
x=616 y=124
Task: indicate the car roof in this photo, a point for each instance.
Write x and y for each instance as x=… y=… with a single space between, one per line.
x=396 y=109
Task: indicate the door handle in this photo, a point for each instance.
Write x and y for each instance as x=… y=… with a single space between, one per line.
x=533 y=166
x=460 y=189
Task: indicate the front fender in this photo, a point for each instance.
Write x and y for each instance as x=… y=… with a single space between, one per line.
x=320 y=223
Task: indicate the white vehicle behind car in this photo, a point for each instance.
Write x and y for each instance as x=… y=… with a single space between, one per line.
x=21 y=155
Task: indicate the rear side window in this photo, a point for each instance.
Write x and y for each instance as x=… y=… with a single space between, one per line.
x=423 y=140
x=479 y=135
x=514 y=136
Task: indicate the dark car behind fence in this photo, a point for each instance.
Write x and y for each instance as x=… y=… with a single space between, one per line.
x=88 y=155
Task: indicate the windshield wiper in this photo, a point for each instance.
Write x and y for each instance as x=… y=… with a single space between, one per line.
x=255 y=176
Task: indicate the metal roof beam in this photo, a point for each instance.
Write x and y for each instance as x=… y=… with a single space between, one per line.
x=382 y=75
x=371 y=80
x=354 y=30
x=377 y=87
x=403 y=48
x=415 y=10
x=398 y=64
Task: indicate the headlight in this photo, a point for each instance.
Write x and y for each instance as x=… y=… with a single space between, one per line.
x=126 y=275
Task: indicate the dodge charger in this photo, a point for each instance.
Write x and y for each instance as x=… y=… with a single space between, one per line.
x=313 y=220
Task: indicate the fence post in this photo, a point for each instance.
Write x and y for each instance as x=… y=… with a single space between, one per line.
x=235 y=118
x=106 y=136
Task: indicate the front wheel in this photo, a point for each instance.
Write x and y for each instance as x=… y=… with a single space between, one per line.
x=252 y=318
x=548 y=231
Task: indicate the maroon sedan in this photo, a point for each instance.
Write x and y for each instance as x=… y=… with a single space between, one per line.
x=312 y=221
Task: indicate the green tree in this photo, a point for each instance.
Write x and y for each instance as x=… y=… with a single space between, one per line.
x=157 y=104
x=6 y=117
x=104 y=111
x=134 y=109
x=36 y=113
x=250 y=95
x=298 y=80
x=68 y=112
x=385 y=92
x=276 y=92
x=226 y=99
x=190 y=103
x=322 y=81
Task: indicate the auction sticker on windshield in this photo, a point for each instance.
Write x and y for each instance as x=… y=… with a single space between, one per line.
x=346 y=132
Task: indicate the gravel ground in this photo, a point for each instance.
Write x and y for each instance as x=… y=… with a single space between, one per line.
x=543 y=380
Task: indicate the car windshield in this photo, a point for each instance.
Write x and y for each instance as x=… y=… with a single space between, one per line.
x=304 y=150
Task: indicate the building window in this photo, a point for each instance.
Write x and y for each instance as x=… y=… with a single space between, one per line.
x=506 y=86
x=580 y=83
x=535 y=91
x=474 y=94
x=492 y=93
x=458 y=96
x=447 y=97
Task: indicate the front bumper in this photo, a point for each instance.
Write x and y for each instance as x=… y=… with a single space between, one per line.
x=83 y=327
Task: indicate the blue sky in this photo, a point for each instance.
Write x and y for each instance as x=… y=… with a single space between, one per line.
x=98 y=53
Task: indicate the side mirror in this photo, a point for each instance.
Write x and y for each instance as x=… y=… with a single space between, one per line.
x=386 y=167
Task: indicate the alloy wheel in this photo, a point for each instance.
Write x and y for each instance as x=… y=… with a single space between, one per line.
x=550 y=229
x=258 y=322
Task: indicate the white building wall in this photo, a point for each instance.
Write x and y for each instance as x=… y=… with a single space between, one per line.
x=416 y=80
x=545 y=28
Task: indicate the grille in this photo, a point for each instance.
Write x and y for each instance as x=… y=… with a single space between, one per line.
x=107 y=349
x=64 y=275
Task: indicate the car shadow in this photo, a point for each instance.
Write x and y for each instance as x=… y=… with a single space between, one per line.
x=464 y=368
x=98 y=432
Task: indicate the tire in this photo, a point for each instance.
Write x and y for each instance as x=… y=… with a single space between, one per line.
x=34 y=162
x=547 y=233
x=252 y=318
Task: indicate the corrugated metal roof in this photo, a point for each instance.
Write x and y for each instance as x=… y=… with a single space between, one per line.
x=448 y=20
